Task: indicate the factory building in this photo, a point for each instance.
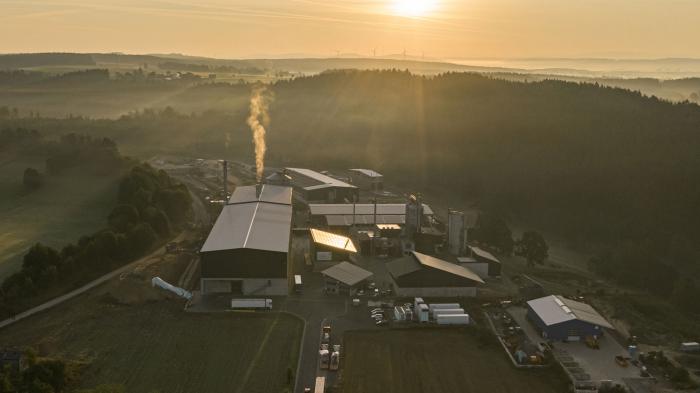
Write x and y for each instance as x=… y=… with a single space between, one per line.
x=344 y=278
x=343 y=215
x=561 y=319
x=246 y=252
x=422 y=275
x=331 y=247
x=367 y=179
x=314 y=187
x=482 y=257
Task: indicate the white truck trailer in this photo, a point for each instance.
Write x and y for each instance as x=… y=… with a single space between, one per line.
x=453 y=319
x=251 y=304
x=436 y=306
x=448 y=311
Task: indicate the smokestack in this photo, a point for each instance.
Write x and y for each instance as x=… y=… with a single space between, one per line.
x=258 y=189
x=225 y=165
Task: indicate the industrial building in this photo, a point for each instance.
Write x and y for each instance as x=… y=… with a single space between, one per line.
x=340 y=215
x=479 y=256
x=418 y=274
x=367 y=179
x=328 y=247
x=345 y=278
x=559 y=318
x=311 y=186
x=246 y=252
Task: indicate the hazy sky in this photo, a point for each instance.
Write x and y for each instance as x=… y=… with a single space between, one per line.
x=437 y=28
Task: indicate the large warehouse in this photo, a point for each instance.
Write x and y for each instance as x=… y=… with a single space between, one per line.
x=246 y=251
x=559 y=318
x=423 y=275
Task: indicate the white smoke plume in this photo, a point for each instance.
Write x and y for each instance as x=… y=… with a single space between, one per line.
x=257 y=121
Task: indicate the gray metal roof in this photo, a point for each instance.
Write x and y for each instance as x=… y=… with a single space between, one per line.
x=483 y=254
x=367 y=172
x=364 y=219
x=557 y=309
x=416 y=261
x=263 y=224
x=324 y=209
x=268 y=193
x=324 y=181
x=347 y=273
x=427 y=260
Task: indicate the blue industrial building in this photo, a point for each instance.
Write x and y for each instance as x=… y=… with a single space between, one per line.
x=560 y=319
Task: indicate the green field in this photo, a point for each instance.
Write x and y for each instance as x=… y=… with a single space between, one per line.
x=436 y=360
x=65 y=208
x=156 y=346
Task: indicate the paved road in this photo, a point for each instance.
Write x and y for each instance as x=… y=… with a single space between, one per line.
x=84 y=288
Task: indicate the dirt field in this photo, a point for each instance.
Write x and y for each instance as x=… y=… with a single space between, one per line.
x=435 y=361
x=154 y=346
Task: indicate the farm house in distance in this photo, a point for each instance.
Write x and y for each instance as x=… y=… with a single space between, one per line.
x=559 y=318
x=246 y=252
x=481 y=262
x=423 y=275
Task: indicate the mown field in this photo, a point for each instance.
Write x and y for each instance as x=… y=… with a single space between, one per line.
x=66 y=207
x=435 y=361
x=157 y=347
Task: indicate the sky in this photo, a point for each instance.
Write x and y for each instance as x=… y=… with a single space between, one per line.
x=444 y=29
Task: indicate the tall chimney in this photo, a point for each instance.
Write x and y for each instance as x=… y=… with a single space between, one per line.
x=225 y=164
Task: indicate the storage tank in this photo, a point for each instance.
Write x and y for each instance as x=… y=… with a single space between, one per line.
x=455 y=232
x=455 y=319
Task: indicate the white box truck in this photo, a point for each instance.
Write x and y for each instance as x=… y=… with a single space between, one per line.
x=324 y=358
x=251 y=304
x=454 y=319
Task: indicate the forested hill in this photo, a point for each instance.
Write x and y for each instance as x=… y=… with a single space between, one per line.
x=601 y=165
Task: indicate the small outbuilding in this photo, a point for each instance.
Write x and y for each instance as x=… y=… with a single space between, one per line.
x=367 y=179
x=561 y=319
x=344 y=278
x=418 y=274
x=329 y=247
x=482 y=256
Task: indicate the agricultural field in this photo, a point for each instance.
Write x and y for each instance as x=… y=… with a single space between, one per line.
x=436 y=360
x=66 y=207
x=146 y=342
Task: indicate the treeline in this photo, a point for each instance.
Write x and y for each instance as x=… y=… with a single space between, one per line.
x=175 y=66
x=22 y=60
x=151 y=205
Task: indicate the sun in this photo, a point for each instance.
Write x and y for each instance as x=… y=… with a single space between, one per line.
x=413 y=8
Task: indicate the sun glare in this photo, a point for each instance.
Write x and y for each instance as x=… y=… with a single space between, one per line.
x=413 y=8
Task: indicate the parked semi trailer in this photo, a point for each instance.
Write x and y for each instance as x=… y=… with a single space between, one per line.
x=458 y=319
x=251 y=304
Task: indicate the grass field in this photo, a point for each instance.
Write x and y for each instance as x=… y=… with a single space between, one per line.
x=65 y=208
x=157 y=347
x=435 y=361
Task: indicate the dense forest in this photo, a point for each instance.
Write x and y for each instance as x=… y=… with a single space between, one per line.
x=612 y=170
